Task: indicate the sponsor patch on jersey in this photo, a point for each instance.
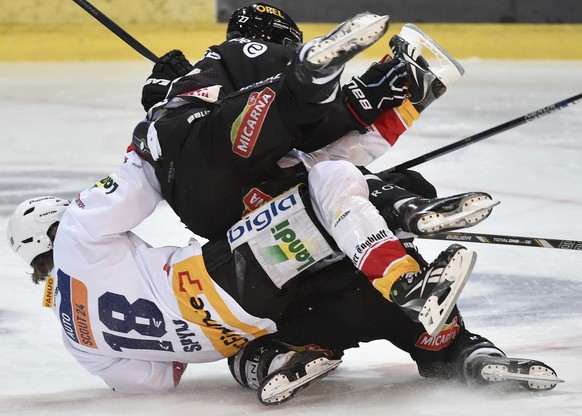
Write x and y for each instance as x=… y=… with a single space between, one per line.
x=268 y=215
x=441 y=340
x=202 y=302
x=254 y=49
x=255 y=199
x=247 y=126
x=48 y=299
x=108 y=184
x=282 y=236
x=74 y=310
x=208 y=94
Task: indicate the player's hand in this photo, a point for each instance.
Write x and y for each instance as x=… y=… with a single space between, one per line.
x=169 y=67
x=381 y=87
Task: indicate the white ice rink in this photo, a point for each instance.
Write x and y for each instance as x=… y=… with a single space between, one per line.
x=65 y=126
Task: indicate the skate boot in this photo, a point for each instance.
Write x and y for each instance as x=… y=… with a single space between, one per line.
x=329 y=53
x=299 y=369
x=518 y=373
x=423 y=216
x=428 y=81
x=429 y=295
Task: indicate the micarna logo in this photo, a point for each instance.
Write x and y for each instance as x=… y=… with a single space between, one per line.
x=246 y=128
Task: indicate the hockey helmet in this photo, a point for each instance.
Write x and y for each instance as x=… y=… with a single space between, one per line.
x=29 y=225
x=265 y=22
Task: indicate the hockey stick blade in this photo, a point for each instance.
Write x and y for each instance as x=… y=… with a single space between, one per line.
x=534 y=115
x=116 y=29
x=510 y=240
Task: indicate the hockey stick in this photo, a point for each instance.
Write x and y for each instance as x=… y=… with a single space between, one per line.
x=484 y=134
x=122 y=34
x=510 y=240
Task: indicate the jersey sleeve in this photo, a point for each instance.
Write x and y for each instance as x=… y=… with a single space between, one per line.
x=120 y=201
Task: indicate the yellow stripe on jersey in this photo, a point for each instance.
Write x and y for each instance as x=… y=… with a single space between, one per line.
x=193 y=287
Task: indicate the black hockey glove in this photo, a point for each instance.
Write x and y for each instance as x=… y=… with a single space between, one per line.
x=169 y=67
x=381 y=87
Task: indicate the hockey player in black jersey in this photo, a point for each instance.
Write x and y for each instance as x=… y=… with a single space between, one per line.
x=250 y=100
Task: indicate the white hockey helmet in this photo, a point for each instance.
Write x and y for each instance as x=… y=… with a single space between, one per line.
x=28 y=227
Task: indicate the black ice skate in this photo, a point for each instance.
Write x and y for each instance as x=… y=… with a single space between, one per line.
x=427 y=81
x=344 y=42
x=429 y=295
x=422 y=216
x=511 y=372
x=297 y=373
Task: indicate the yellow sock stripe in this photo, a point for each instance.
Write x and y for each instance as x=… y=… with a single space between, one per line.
x=402 y=266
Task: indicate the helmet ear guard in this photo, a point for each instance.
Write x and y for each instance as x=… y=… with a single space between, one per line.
x=28 y=228
x=265 y=22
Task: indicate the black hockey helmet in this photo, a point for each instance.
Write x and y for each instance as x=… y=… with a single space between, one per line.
x=265 y=22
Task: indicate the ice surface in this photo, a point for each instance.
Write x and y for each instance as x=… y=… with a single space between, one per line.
x=65 y=126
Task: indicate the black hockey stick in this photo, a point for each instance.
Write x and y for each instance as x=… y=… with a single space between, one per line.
x=510 y=240
x=484 y=134
x=122 y=34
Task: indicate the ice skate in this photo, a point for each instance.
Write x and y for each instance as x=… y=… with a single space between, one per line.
x=428 y=81
x=302 y=368
x=429 y=295
x=344 y=42
x=511 y=372
x=422 y=216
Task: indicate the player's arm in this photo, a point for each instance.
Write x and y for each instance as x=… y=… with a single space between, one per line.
x=119 y=202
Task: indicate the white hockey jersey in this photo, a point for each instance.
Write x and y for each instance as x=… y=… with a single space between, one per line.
x=128 y=310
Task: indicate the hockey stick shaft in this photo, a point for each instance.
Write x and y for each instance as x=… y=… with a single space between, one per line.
x=485 y=134
x=114 y=27
x=506 y=240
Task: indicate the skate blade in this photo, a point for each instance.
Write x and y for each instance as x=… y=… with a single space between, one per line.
x=433 y=314
x=446 y=68
x=279 y=389
x=369 y=28
x=472 y=211
x=539 y=377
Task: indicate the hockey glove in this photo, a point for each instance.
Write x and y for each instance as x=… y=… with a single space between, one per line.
x=381 y=87
x=169 y=67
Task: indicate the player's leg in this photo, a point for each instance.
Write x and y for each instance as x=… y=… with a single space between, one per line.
x=339 y=195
